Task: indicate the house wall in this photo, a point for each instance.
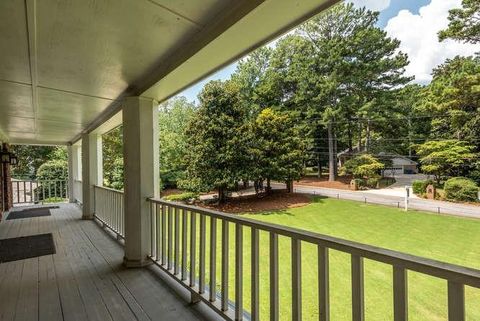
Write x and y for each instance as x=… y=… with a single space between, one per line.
x=6 y=195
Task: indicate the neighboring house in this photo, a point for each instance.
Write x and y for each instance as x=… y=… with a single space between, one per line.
x=400 y=164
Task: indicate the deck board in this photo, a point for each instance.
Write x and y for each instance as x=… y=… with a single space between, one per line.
x=84 y=280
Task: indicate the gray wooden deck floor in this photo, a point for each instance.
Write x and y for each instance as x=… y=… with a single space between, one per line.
x=84 y=280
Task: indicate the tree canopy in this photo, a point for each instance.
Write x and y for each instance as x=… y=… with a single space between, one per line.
x=464 y=23
x=445 y=158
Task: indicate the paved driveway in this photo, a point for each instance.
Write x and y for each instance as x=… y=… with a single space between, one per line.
x=398 y=188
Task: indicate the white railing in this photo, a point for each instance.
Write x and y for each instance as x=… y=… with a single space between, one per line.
x=109 y=209
x=77 y=191
x=39 y=191
x=176 y=239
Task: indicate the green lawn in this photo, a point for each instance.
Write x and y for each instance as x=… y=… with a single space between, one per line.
x=445 y=238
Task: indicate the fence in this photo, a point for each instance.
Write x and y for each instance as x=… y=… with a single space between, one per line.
x=176 y=239
x=109 y=209
x=39 y=191
x=420 y=204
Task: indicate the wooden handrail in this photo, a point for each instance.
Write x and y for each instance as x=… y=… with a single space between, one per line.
x=161 y=220
x=465 y=275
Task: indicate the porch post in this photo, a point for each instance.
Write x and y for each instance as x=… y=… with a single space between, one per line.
x=92 y=173
x=71 y=175
x=141 y=175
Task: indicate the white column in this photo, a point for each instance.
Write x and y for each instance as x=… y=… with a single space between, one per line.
x=92 y=171
x=141 y=172
x=76 y=163
x=71 y=174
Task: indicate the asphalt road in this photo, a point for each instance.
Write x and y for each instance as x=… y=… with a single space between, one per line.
x=439 y=207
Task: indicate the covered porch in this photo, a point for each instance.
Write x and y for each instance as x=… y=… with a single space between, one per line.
x=73 y=70
x=85 y=279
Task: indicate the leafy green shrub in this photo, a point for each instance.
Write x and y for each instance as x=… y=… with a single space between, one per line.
x=372 y=182
x=461 y=189
x=51 y=176
x=187 y=196
x=170 y=178
x=420 y=187
x=53 y=170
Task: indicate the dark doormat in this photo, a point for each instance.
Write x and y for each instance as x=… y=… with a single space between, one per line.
x=38 y=208
x=25 y=247
x=33 y=212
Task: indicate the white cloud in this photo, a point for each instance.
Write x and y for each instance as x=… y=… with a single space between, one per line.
x=374 y=5
x=419 y=39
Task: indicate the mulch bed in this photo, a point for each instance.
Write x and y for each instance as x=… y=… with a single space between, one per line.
x=342 y=182
x=277 y=200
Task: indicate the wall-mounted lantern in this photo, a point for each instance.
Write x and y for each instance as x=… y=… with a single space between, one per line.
x=13 y=159
x=5 y=157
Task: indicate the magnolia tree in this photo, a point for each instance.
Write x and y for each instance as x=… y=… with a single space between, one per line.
x=277 y=150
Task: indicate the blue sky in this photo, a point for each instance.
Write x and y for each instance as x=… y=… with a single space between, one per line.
x=414 y=22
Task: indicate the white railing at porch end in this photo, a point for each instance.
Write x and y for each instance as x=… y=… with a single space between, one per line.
x=109 y=209
x=39 y=191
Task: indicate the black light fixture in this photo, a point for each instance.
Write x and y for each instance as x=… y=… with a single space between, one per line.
x=5 y=157
x=13 y=159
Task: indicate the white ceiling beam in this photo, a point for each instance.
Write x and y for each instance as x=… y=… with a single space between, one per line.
x=31 y=17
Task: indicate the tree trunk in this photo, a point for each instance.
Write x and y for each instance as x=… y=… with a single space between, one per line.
x=331 y=156
x=269 y=187
x=350 y=138
x=289 y=184
x=221 y=195
x=359 y=136
x=367 y=145
x=319 y=165
x=335 y=151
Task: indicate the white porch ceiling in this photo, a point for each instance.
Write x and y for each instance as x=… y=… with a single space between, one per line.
x=65 y=65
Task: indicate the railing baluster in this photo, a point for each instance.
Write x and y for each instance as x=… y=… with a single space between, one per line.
x=153 y=234
x=255 y=277
x=238 y=272
x=193 y=247
x=399 y=262
x=213 y=259
x=164 y=235
x=32 y=198
x=225 y=259
x=456 y=301
x=170 y=239
x=24 y=192
x=177 y=243
x=184 y=245
x=158 y=227
x=274 y=298
x=296 y=279
x=400 y=294
x=201 y=281
x=358 y=311
x=323 y=284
